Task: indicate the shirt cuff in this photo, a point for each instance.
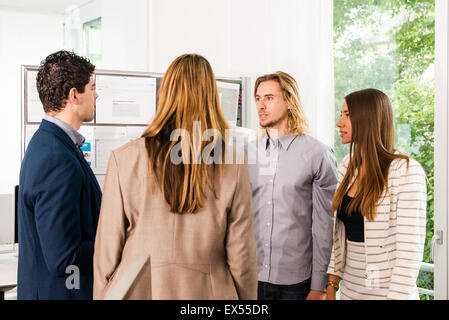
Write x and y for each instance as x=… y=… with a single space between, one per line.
x=319 y=280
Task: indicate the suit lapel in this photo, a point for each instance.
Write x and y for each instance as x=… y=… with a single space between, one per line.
x=89 y=170
x=53 y=128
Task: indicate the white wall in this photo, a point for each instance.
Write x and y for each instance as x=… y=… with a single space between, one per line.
x=25 y=38
x=124 y=32
x=251 y=38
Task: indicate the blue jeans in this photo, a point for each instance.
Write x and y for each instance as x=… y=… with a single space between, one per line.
x=270 y=291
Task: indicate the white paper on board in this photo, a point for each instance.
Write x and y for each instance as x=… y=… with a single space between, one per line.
x=100 y=180
x=135 y=132
x=229 y=100
x=30 y=130
x=35 y=110
x=88 y=147
x=106 y=140
x=125 y=99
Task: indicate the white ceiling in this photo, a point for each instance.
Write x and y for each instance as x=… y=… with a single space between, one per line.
x=43 y=6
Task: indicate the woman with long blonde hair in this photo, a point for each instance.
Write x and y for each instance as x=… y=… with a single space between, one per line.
x=169 y=194
x=379 y=205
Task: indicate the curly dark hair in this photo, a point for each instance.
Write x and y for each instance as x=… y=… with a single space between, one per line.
x=58 y=73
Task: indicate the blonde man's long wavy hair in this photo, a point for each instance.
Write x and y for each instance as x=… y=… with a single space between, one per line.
x=297 y=120
x=371 y=117
x=188 y=93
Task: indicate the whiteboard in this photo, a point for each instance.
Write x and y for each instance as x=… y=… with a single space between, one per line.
x=126 y=105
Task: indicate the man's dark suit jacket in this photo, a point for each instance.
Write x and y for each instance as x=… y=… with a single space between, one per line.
x=59 y=205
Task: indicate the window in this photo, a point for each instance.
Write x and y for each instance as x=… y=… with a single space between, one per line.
x=92 y=41
x=390 y=46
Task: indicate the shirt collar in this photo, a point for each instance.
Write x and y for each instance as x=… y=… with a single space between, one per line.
x=284 y=141
x=77 y=138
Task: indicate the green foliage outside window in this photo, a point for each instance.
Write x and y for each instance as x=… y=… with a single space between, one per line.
x=397 y=60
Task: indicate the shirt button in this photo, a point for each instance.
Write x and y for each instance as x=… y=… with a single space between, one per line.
x=268 y=224
x=271 y=180
x=269 y=202
x=266 y=266
x=266 y=244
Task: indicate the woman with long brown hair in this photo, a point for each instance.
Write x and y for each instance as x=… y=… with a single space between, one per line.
x=379 y=205
x=171 y=195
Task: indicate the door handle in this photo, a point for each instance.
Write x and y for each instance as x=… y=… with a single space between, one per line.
x=437 y=239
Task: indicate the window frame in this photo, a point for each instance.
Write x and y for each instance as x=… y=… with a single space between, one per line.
x=441 y=201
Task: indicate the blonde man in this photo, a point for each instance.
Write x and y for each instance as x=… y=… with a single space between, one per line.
x=293 y=180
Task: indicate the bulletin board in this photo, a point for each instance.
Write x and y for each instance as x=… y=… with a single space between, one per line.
x=126 y=104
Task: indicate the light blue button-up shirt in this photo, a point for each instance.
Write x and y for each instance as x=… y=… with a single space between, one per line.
x=293 y=181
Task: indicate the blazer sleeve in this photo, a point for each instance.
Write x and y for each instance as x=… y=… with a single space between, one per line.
x=331 y=267
x=410 y=231
x=57 y=215
x=240 y=240
x=110 y=237
x=338 y=249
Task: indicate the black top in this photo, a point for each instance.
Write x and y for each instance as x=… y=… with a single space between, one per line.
x=353 y=223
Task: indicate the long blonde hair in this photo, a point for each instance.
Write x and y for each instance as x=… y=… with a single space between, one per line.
x=297 y=120
x=188 y=93
x=371 y=119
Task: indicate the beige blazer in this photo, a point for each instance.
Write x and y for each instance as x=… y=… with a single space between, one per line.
x=207 y=255
x=394 y=241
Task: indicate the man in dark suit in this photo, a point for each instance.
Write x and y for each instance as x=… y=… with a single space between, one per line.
x=59 y=196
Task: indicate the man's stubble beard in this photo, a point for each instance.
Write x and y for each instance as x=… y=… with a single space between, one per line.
x=272 y=123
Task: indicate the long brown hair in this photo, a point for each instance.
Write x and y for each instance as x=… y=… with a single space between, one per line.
x=297 y=120
x=188 y=93
x=372 y=142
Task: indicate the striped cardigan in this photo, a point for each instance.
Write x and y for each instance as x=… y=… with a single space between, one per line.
x=394 y=241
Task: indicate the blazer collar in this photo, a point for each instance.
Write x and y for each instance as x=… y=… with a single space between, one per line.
x=76 y=137
x=57 y=131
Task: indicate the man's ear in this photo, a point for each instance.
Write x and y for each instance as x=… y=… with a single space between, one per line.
x=72 y=97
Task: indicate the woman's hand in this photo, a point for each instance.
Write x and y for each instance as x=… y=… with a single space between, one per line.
x=332 y=286
x=330 y=293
